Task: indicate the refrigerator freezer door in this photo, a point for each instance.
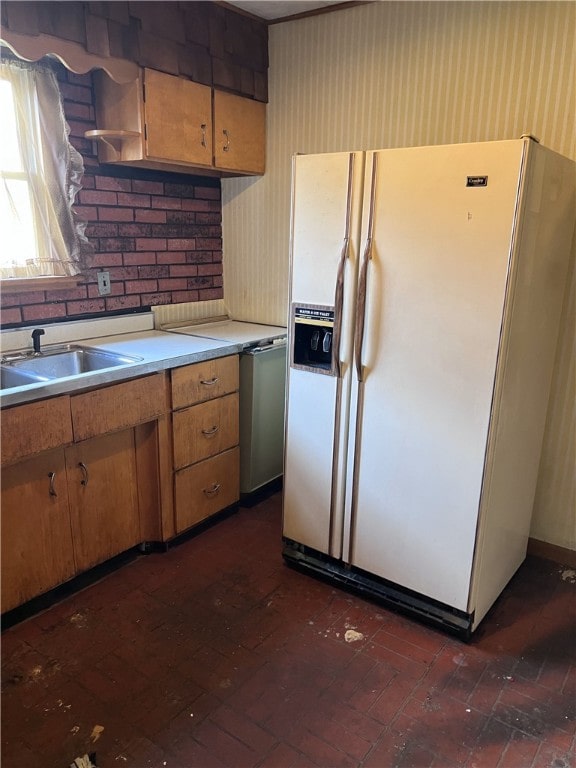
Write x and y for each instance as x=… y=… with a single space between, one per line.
x=325 y=235
x=434 y=305
x=310 y=428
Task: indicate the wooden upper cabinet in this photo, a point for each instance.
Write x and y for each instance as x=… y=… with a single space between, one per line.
x=239 y=133
x=120 y=119
x=169 y=123
x=178 y=118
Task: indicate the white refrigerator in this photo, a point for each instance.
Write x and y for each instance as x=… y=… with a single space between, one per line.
x=426 y=292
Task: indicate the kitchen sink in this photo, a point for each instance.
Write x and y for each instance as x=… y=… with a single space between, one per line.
x=56 y=363
x=12 y=377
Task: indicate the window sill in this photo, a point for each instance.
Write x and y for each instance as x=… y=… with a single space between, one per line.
x=24 y=284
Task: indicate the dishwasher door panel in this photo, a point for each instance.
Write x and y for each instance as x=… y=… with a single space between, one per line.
x=262 y=395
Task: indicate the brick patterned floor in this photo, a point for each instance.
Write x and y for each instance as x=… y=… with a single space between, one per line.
x=217 y=654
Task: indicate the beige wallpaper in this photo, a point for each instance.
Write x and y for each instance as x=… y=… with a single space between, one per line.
x=400 y=74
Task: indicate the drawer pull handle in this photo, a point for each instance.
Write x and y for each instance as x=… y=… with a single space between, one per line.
x=52 y=489
x=210 y=432
x=209 y=382
x=84 y=469
x=212 y=491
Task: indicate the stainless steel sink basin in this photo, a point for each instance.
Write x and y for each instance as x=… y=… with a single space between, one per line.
x=58 y=362
x=12 y=377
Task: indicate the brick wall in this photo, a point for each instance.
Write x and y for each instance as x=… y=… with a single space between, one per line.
x=158 y=234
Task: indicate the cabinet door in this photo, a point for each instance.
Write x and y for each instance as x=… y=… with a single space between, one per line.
x=205 y=430
x=239 y=133
x=178 y=116
x=103 y=492
x=206 y=488
x=36 y=538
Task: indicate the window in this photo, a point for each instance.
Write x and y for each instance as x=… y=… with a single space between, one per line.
x=40 y=175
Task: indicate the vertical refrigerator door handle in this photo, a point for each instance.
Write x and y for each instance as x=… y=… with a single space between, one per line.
x=339 y=294
x=361 y=309
x=334 y=535
x=363 y=280
x=338 y=305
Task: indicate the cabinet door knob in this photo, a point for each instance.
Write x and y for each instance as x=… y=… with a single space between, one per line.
x=226 y=147
x=52 y=489
x=84 y=469
x=203 y=129
x=210 y=432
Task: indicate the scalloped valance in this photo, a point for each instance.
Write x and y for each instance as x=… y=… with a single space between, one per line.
x=72 y=55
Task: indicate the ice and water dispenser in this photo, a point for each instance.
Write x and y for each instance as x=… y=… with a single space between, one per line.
x=312 y=337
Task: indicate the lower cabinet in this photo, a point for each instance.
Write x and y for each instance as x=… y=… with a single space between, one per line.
x=116 y=467
x=94 y=488
x=66 y=511
x=37 y=551
x=205 y=432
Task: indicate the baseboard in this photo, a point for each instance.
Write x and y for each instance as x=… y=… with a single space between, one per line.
x=548 y=551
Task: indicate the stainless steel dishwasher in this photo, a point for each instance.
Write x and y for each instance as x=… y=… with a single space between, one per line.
x=262 y=393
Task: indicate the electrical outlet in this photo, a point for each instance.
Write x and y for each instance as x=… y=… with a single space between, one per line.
x=104 y=283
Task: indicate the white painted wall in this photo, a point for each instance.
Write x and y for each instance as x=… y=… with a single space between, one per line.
x=403 y=74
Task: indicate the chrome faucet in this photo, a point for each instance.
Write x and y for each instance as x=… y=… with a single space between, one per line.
x=36 y=333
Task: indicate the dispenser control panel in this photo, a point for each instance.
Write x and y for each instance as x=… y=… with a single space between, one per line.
x=312 y=337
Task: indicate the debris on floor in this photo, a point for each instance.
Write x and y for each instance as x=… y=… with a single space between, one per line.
x=96 y=731
x=86 y=761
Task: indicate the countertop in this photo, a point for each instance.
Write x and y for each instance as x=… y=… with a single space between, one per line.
x=158 y=351
x=238 y=331
x=133 y=335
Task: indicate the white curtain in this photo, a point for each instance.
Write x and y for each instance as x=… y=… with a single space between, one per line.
x=47 y=238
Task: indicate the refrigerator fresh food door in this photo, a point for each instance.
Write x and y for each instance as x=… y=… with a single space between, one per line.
x=436 y=276
x=327 y=195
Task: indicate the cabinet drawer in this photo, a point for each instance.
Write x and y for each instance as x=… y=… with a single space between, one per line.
x=122 y=405
x=204 y=381
x=206 y=488
x=204 y=430
x=35 y=427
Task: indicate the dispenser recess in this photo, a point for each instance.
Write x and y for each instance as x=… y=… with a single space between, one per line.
x=312 y=338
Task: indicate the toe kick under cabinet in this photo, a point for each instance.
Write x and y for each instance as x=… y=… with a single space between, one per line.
x=205 y=431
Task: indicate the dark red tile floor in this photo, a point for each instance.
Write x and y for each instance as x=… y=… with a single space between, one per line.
x=217 y=654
